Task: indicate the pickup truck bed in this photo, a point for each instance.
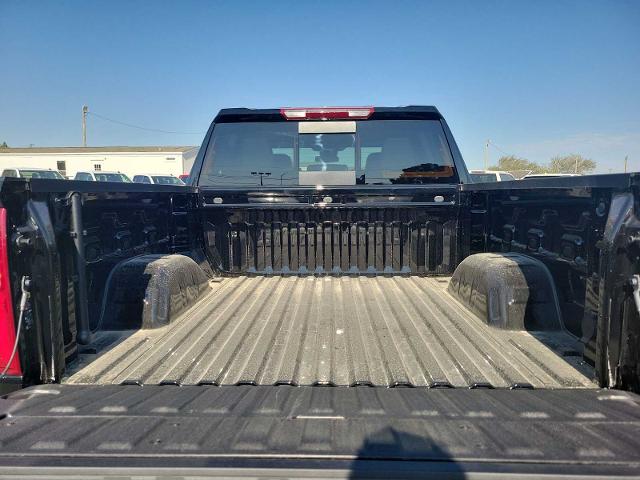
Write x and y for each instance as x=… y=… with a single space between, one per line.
x=378 y=331
x=253 y=323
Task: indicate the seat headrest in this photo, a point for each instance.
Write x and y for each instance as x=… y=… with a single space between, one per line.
x=373 y=168
x=254 y=148
x=374 y=161
x=280 y=161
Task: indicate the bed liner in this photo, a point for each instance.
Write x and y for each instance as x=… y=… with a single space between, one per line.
x=377 y=331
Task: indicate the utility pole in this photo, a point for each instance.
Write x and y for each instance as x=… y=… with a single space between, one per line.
x=486 y=155
x=626 y=157
x=85 y=109
x=262 y=175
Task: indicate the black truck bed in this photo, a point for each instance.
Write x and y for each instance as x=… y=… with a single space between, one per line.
x=378 y=331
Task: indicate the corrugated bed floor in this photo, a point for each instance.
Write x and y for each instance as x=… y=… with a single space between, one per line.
x=380 y=331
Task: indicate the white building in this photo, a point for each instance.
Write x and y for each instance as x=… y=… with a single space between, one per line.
x=127 y=160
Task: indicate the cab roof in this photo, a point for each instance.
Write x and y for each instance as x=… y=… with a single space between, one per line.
x=232 y=115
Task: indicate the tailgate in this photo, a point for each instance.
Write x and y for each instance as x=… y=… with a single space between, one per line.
x=350 y=431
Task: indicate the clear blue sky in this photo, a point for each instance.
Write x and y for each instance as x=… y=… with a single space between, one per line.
x=537 y=78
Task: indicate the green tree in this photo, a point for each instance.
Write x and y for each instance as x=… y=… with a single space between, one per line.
x=4 y=145
x=511 y=163
x=573 y=163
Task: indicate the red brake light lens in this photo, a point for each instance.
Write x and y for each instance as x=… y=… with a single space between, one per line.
x=327 y=113
x=7 y=323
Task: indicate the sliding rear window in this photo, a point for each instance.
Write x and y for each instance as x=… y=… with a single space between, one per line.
x=368 y=152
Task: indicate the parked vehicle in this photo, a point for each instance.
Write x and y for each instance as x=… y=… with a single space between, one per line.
x=332 y=295
x=102 y=177
x=32 y=173
x=550 y=175
x=184 y=177
x=157 y=179
x=484 y=176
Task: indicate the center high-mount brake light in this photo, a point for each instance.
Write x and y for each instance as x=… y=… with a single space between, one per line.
x=7 y=322
x=327 y=113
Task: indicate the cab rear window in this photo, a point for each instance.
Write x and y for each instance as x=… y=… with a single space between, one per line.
x=373 y=152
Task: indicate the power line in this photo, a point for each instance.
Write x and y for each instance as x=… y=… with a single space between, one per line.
x=486 y=152
x=102 y=117
x=497 y=147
